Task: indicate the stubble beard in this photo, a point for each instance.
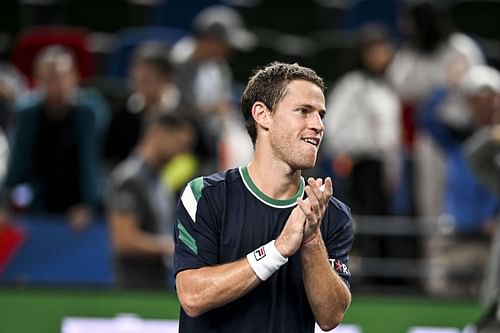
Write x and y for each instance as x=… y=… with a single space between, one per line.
x=293 y=157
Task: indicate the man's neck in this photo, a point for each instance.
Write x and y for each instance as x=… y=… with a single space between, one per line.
x=274 y=178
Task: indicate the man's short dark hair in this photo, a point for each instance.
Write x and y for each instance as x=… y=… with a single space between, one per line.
x=155 y=55
x=167 y=121
x=268 y=85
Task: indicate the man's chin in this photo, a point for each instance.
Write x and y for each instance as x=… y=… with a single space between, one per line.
x=304 y=165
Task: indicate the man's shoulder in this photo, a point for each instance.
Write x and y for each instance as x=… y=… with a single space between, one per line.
x=127 y=172
x=29 y=110
x=340 y=208
x=214 y=182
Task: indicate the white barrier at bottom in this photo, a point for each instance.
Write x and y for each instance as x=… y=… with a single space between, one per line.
x=131 y=323
x=433 y=330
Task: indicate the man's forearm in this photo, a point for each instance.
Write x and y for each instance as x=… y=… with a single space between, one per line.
x=327 y=293
x=128 y=239
x=210 y=287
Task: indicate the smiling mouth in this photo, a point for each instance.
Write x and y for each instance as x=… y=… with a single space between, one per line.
x=314 y=142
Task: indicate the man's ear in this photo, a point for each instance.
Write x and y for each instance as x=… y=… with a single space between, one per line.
x=261 y=115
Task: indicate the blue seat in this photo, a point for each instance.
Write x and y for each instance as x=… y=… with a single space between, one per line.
x=384 y=12
x=127 y=41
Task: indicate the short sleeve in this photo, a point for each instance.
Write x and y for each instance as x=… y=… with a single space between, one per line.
x=123 y=198
x=196 y=233
x=338 y=238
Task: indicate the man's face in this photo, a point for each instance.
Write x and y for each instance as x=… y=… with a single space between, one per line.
x=58 y=81
x=174 y=142
x=147 y=81
x=483 y=106
x=378 y=56
x=296 y=128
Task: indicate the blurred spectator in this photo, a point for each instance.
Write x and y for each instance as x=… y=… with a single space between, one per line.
x=12 y=86
x=423 y=62
x=482 y=84
x=140 y=207
x=461 y=246
x=153 y=93
x=363 y=126
x=483 y=155
x=483 y=149
x=54 y=150
x=431 y=46
x=86 y=96
x=204 y=77
x=4 y=155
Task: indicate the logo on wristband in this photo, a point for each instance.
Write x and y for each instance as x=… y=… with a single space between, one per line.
x=259 y=253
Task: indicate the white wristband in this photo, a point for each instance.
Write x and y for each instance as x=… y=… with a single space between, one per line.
x=266 y=260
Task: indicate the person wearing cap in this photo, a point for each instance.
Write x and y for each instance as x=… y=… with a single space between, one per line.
x=203 y=75
x=430 y=43
x=460 y=248
x=482 y=85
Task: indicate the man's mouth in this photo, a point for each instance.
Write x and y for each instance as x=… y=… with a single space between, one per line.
x=312 y=141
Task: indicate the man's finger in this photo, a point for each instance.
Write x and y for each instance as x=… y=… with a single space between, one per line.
x=305 y=207
x=315 y=186
x=328 y=186
x=314 y=201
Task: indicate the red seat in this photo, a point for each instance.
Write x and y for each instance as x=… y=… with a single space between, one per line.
x=32 y=40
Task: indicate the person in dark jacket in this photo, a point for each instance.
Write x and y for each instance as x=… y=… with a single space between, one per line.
x=54 y=151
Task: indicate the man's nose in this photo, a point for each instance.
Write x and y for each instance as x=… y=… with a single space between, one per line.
x=316 y=122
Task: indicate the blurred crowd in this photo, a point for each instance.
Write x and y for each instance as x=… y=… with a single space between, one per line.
x=412 y=129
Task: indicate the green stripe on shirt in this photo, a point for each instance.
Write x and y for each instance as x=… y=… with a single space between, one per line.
x=197 y=186
x=186 y=238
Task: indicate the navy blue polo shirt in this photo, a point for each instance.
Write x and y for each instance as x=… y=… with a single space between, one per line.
x=223 y=217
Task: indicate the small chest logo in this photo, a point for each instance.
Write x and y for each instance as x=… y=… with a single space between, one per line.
x=260 y=253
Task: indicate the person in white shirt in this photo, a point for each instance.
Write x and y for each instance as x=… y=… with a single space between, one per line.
x=364 y=126
x=433 y=55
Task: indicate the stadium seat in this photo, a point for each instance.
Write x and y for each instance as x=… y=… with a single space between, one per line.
x=361 y=12
x=128 y=39
x=32 y=40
